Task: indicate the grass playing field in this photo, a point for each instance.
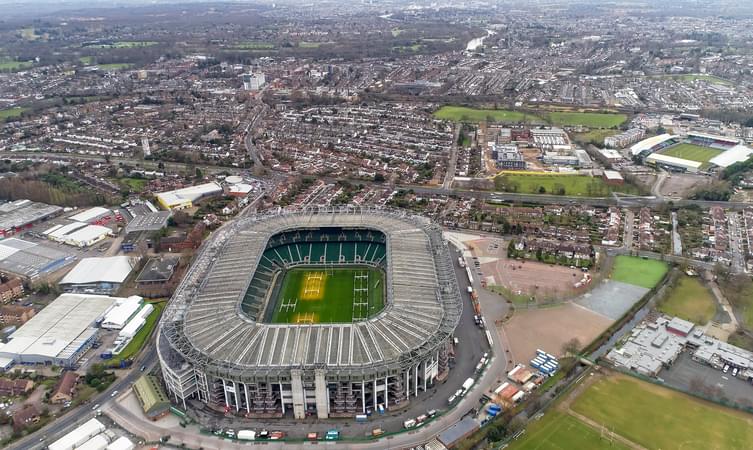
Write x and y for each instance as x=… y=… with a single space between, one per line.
x=342 y=295
x=532 y=183
x=692 y=152
x=461 y=113
x=690 y=300
x=559 y=431
x=638 y=271
x=659 y=418
x=586 y=119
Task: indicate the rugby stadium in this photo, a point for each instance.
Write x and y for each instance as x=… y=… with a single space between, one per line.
x=325 y=312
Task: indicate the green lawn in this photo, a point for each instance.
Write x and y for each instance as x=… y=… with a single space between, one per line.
x=595 y=136
x=659 y=418
x=87 y=60
x=558 y=184
x=143 y=334
x=114 y=66
x=135 y=184
x=638 y=271
x=7 y=64
x=692 y=152
x=586 y=119
x=11 y=112
x=698 y=76
x=463 y=114
x=309 y=295
x=125 y=44
x=559 y=431
x=690 y=300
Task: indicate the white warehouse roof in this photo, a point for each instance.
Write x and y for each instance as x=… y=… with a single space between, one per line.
x=121 y=443
x=738 y=153
x=191 y=193
x=77 y=233
x=112 y=269
x=59 y=330
x=124 y=309
x=78 y=436
x=91 y=214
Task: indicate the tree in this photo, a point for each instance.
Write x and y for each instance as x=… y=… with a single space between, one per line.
x=379 y=178
x=571 y=347
x=199 y=174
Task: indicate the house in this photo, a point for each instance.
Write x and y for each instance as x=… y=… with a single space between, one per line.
x=9 y=388
x=158 y=278
x=25 y=417
x=11 y=289
x=15 y=314
x=65 y=389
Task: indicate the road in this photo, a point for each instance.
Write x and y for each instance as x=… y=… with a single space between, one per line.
x=676 y=239
x=77 y=416
x=627 y=239
x=450 y=175
x=248 y=139
x=656 y=188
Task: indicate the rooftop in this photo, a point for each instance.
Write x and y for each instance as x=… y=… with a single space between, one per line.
x=112 y=269
x=158 y=270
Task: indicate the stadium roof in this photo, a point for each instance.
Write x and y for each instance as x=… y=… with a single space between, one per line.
x=648 y=144
x=714 y=137
x=738 y=153
x=112 y=269
x=58 y=330
x=204 y=323
x=673 y=161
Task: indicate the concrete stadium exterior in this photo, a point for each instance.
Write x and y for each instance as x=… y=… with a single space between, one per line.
x=211 y=351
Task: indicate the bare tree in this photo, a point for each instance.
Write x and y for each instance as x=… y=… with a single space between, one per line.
x=572 y=347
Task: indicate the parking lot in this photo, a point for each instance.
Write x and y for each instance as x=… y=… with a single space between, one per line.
x=686 y=374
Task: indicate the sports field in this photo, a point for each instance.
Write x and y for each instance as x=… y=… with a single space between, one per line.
x=690 y=300
x=638 y=271
x=659 y=418
x=691 y=152
x=548 y=183
x=340 y=295
x=462 y=114
x=559 y=431
x=586 y=119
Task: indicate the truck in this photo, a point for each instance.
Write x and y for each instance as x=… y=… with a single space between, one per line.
x=106 y=355
x=312 y=436
x=470 y=277
x=461 y=261
x=332 y=435
x=376 y=432
x=421 y=419
x=361 y=418
x=470 y=289
x=410 y=423
x=246 y=435
x=467 y=384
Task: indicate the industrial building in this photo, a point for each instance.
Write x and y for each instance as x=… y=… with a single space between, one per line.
x=58 y=334
x=508 y=157
x=20 y=214
x=31 y=261
x=253 y=81
x=215 y=345
x=185 y=197
x=98 y=275
x=122 y=312
x=91 y=215
x=655 y=344
x=92 y=435
x=152 y=398
x=78 y=234
x=158 y=278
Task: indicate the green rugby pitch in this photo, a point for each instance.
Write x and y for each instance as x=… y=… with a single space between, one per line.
x=691 y=152
x=559 y=431
x=638 y=271
x=316 y=295
x=690 y=300
x=660 y=418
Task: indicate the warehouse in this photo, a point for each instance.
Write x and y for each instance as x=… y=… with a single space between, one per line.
x=31 y=261
x=184 y=198
x=98 y=275
x=77 y=234
x=123 y=311
x=151 y=396
x=91 y=214
x=20 y=214
x=672 y=162
x=60 y=333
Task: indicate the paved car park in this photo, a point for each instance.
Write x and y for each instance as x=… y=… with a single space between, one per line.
x=685 y=374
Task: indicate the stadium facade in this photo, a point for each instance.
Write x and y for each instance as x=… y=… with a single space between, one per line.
x=215 y=345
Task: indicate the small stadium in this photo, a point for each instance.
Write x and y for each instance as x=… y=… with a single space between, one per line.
x=327 y=312
x=696 y=152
